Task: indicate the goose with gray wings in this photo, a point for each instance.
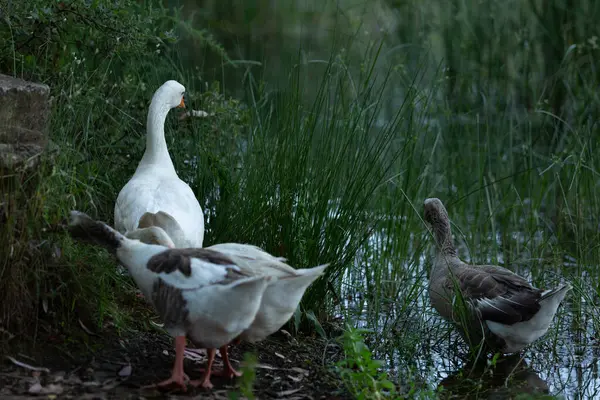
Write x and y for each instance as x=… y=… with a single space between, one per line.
x=281 y=297
x=503 y=310
x=203 y=294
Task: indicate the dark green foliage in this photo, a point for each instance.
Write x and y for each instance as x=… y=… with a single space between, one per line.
x=102 y=60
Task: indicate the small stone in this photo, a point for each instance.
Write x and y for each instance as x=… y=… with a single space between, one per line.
x=35 y=388
x=125 y=371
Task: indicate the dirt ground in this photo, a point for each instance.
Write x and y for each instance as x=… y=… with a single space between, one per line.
x=118 y=367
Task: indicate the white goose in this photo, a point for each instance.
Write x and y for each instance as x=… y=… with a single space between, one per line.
x=503 y=310
x=280 y=299
x=209 y=296
x=155 y=186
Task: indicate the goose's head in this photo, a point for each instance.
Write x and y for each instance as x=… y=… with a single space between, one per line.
x=170 y=94
x=434 y=211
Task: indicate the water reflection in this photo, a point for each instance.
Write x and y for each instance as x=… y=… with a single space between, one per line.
x=506 y=378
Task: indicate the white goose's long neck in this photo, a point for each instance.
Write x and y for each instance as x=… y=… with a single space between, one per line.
x=156 y=145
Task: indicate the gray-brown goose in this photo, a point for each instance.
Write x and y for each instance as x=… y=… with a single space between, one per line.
x=501 y=307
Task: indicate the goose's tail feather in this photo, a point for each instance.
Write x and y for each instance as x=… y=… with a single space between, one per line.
x=314 y=271
x=85 y=229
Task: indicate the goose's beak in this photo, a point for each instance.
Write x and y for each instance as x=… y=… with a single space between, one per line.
x=182 y=104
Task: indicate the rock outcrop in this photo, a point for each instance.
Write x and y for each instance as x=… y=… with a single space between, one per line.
x=24 y=120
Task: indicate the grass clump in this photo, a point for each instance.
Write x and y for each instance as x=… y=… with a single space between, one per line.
x=102 y=61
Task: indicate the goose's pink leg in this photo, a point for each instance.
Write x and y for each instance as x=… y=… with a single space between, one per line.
x=204 y=381
x=178 y=377
x=228 y=371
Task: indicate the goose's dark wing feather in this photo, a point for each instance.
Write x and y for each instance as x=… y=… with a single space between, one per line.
x=180 y=260
x=498 y=294
x=168 y=290
x=169 y=304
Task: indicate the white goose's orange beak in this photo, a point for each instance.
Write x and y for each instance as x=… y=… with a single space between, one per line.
x=182 y=104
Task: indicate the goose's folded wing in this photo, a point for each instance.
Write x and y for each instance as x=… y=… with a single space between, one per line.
x=248 y=251
x=255 y=261
x=166 y=222
x=498 y=296
x=194 y=268
x=200 y=285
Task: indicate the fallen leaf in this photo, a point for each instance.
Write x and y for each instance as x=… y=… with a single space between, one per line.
x=58 y=377
x=125 y=371
x=264 y=366
x=196 y=355
x=165 y=352
x=45 y=305
x=196 y=351
x=286 y=333
x=288 y=392
x=299 y=370
x=110 y=384
x=52 y=388
x=35 y=388
x=86 y=329
x=24 y=365
x=280 y=355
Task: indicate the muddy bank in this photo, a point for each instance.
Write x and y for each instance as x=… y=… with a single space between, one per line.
x=118 y=367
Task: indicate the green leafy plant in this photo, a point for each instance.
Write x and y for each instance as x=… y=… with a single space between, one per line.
x=248 y=378
x=361 y=374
